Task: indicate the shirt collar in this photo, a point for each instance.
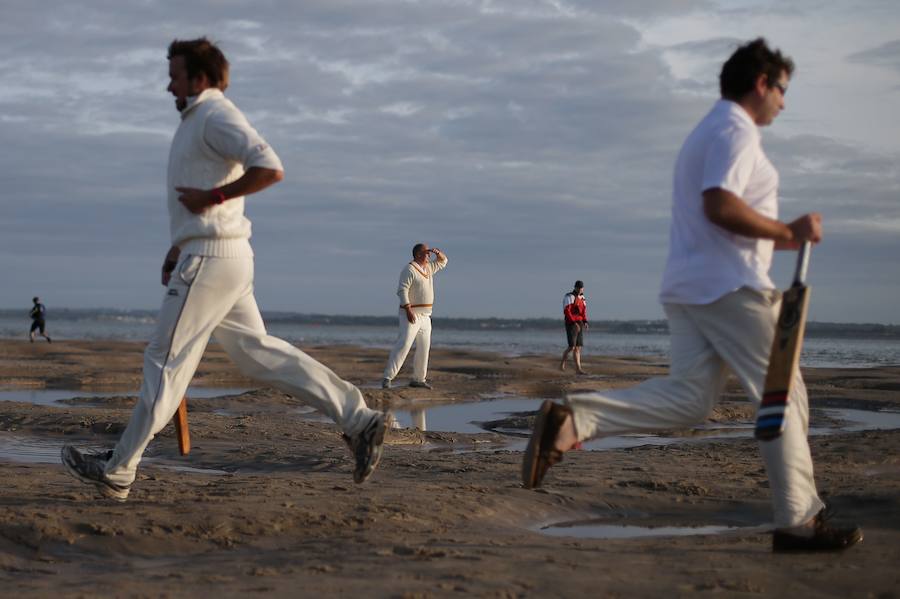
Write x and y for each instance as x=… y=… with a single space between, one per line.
x=736 y=109
x=207 y=94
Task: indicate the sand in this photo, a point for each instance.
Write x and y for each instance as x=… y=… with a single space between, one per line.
x=270 y=508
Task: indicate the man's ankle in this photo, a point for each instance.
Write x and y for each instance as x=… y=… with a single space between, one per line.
x=567 y=438
x=802 y=530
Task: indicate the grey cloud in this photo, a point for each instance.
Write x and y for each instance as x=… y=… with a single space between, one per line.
x=855 y=190
x=885 y=55
x=540 y=147
x=650 y=9
x=718 y=48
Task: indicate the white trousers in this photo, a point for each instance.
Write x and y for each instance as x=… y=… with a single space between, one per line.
x=214 y=296
x=734 y=332
x=418 y=332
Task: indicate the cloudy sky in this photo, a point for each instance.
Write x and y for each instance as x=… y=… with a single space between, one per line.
x=531 y=140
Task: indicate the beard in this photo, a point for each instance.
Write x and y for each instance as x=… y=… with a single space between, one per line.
x=180 y=104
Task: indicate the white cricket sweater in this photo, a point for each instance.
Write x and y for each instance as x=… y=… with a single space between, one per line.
x=416 y=286
x=213 y=146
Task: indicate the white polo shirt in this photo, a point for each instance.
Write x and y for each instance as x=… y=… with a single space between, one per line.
x=705 y=261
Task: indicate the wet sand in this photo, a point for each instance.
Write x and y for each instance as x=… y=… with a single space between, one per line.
x=265 y=504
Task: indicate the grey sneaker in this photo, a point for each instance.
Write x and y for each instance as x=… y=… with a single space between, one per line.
x=385 y=383
x=89 y=468
x=367 y=446
x=420 y=384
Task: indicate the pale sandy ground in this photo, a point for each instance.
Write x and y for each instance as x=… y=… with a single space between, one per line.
x=284 y=518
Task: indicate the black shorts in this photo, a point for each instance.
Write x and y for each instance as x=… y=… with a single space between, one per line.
x=575 y=334
x=37 y=324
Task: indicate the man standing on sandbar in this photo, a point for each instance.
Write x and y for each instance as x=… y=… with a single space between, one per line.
x=416 y=293
x=216 y=160
x=720 y=303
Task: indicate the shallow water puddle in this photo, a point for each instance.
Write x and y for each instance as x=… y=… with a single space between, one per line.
x=37 y=450
x=51 y=397
x=500 y=413
x=865 y=420
x=464 y=417
x=33 y=450
x=187 y=469
x=481 y=416
x=587 y=529
x=504 y=416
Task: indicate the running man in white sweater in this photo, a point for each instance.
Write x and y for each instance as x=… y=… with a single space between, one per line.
x=217 y=159
x=416 y=293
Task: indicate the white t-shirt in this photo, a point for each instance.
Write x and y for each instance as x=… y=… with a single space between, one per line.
x=705 y=261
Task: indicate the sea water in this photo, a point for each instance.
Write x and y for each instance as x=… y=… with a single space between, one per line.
x=523 y=338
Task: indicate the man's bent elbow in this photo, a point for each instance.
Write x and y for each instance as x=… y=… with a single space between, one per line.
x=258 y=178
x=713 y=211
x=267 y=176
x=715 y=206
x=270 y=177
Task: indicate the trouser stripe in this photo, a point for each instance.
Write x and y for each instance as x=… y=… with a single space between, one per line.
x=162 y=370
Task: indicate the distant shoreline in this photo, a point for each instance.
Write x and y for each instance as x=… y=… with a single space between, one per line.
x=620 y=327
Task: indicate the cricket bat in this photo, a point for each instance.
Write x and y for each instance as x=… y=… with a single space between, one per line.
x=181 y=428
x=785 y=353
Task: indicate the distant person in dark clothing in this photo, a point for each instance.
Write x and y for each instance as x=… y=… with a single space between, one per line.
x=37 y=319
x=575 y=312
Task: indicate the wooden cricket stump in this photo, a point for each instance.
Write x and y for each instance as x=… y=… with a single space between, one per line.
x=181 y=428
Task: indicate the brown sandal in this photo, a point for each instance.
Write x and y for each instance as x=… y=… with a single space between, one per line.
x=541 y=453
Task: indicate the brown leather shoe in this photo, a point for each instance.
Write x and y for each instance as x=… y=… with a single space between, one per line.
x=540 y=453
x=824 y=537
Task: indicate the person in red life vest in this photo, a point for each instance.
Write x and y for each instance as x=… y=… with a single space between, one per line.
x=575 y=312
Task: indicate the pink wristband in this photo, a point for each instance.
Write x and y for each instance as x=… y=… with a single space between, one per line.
x=218 y=196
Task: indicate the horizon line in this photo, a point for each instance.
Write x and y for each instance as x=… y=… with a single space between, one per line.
x=444 y=317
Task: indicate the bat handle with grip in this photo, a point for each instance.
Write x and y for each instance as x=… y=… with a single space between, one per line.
x=802 y=264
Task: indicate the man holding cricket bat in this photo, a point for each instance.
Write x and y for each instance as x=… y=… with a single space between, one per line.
x=216 y=160
x=721 y=304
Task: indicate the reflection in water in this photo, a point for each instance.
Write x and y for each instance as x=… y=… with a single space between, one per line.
x=463 y=417
x=414 y=418
x=418 y=419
